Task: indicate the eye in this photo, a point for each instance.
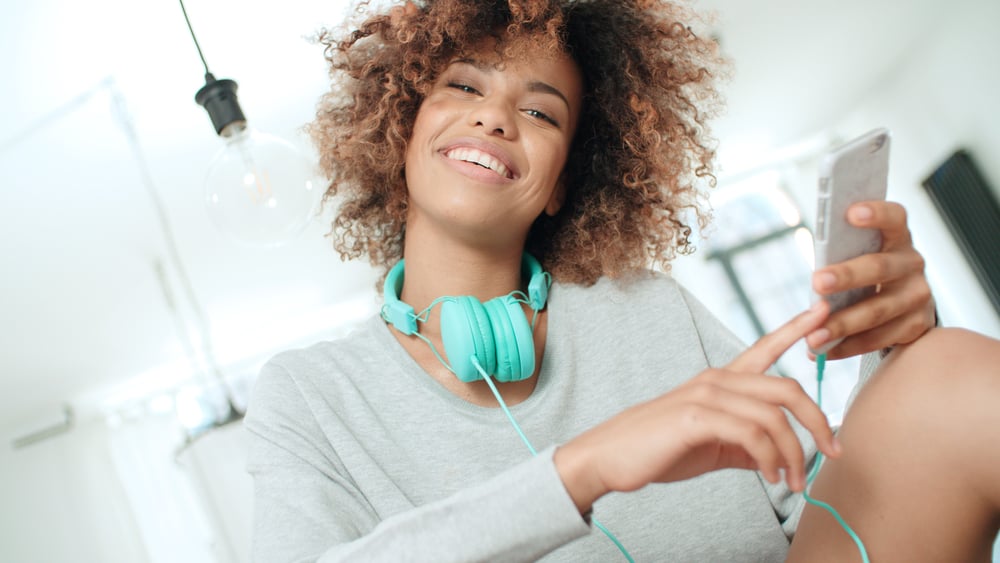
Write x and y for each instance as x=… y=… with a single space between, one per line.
x=539 y=115
x=463 y=88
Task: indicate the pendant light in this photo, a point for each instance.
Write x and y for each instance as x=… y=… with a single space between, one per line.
x=259 y=189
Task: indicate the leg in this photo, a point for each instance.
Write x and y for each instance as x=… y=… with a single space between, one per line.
x=919 y=479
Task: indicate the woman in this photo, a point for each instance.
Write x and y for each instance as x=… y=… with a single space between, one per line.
x=472 y=138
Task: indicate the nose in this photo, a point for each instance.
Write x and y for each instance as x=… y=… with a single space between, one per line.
x=495 y=117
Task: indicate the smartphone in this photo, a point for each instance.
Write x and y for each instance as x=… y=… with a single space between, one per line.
x=854 y=172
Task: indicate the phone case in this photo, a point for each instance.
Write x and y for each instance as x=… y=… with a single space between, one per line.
x=856 y=171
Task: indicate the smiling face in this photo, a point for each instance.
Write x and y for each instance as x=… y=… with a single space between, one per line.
x=489 y=145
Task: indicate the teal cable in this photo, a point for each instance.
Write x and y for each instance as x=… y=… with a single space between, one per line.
x=820 y=367
x=517 y=427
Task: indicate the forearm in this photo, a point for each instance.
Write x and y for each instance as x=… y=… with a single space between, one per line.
x=519 y=515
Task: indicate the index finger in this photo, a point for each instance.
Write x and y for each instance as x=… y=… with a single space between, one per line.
x=762 y=355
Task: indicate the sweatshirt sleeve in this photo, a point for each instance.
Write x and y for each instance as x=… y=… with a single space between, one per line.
x=721 y=346
x=308 y=509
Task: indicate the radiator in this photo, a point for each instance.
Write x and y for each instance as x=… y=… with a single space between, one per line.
x=969 y=208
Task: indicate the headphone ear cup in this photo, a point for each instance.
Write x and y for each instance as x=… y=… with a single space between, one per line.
x=515 y=345
x=466 y=332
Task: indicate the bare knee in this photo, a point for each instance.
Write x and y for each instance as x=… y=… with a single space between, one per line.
x=949 y=378
x=947 y=351
x=938 y=399
x=946 y=364
x=919 y=450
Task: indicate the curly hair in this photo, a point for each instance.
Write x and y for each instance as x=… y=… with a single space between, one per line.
x=642 y=150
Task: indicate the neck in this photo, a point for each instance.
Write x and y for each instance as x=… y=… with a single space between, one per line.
x=457 y=270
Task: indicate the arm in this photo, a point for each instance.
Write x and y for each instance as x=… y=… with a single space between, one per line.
x=727 y=417
x=307 y=507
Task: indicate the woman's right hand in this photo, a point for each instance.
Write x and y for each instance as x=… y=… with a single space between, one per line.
x=729 y=417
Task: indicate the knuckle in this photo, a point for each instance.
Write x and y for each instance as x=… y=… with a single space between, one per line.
x=706 y=392
x=710 y=377
x=925 y=291
x=789 y=384
x=878 y=313
x=921 y=295
x=881 y=266
x=774 y=418
x=913 y=328
x=755 y=433
x=845 y=275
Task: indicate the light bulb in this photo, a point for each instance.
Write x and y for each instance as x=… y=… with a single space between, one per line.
x=259 y=189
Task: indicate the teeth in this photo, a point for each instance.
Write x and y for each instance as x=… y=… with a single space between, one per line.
x=476 y=156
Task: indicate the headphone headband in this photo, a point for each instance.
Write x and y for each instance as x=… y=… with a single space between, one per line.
x=404 y=318
x=395 y=312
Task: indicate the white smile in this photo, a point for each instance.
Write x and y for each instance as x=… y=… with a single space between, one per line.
x=476 y=156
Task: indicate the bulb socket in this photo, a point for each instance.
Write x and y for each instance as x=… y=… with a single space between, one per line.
x=218 y=97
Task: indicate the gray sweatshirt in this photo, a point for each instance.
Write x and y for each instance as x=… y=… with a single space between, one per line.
x=358 y=455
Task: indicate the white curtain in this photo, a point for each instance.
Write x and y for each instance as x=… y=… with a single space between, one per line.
x=169 y=515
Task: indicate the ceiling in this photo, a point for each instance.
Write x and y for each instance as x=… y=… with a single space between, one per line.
x=83 y=306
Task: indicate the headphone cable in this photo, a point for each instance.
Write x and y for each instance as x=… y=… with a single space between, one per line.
x=524 y=438
x=820 y=367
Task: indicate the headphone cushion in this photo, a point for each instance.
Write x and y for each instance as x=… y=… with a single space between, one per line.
x=514 y=341
x=466 y=332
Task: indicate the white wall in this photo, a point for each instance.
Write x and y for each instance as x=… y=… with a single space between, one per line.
x=127 y=493
x=62 y=501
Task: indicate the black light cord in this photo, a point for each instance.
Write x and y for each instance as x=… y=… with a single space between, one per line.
x=195 y=38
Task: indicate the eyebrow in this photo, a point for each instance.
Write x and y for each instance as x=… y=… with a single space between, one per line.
x=533 y=86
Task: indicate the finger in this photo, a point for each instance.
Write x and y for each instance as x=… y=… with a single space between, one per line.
x=763 y=414
x=759 y=357
x=727 y=431
x=788 y=393
x=893 y=302
x=886 y=216
x=867 y=270
x=902 y=330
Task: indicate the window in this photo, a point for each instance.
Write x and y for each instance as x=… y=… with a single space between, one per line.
x=760 y=252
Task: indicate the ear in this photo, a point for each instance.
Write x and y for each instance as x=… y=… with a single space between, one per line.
x=557 y=198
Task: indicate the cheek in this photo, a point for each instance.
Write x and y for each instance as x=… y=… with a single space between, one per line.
x=425 y=128
x=552 y=158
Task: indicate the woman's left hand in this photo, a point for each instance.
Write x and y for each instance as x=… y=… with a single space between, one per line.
x=903 y=308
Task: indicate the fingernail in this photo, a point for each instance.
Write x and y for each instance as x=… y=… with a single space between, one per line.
x=862 y=214
x=819 y=337
x=837 y=448
x=826 y=280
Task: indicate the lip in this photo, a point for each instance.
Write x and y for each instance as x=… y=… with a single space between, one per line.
x=491 y=149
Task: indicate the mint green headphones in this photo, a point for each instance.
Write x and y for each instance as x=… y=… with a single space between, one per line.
x=494 y=336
